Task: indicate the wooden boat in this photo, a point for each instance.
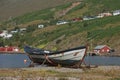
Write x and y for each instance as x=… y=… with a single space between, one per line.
x=67 y=57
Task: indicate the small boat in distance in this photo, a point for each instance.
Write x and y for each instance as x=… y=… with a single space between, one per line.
x=69 y=57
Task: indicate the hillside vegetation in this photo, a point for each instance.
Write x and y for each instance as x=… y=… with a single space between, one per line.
x=12 y=8
x=57 y=37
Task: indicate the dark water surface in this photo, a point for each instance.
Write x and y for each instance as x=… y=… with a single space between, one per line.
x=14 y=61
x=103 y=60
x=17 y=60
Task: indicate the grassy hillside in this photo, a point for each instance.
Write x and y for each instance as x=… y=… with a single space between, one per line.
x=95 y=32
x=93 y=7
x=100 y=31
x=13 y=8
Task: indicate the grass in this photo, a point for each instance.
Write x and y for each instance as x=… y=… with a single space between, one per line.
x=45 y=14
x=17 y=8
x=93 y=7
x=107 y=5
x=102 y=72
x=116 y=79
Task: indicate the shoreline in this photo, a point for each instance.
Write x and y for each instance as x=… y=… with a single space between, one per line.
x=107 y=55
x=11 y=52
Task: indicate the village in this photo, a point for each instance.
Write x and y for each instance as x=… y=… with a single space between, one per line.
x=8 y=34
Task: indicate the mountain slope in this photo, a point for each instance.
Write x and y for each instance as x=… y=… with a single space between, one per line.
x=13 y=8
x=56 y=37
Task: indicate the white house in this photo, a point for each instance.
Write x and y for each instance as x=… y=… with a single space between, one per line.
x=23 y=29
x=7 y=36
x=15 y=31
x=61 y=22
x=117 y=12
x=88 y=17
x=3 y=33
x=41 y=26
x=101 y=15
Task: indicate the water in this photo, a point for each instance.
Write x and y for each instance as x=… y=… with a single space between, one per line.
x=17 y=60
x=14 y=61
x=103 y=60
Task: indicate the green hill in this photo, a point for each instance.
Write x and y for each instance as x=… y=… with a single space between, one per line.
x=56 y=37
x=13 y=8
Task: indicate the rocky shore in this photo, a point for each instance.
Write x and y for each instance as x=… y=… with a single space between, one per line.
x=60 y=73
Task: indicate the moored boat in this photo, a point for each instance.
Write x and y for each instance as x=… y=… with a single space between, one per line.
x=67 y=57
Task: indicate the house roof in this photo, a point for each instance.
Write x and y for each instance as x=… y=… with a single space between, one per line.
x=99 y=46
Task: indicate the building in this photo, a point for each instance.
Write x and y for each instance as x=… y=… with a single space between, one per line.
x=23 y=29
x=77 y=19
x=9 y=49
x=4 y=34
x=41 y=26
x=14 y=31
x=117 y=12
x=101 y=15
x=62 y=22
x=89 y=17
x=7 y=36
x=101 y=49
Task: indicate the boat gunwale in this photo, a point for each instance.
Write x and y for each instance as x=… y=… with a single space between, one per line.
x=58 y=52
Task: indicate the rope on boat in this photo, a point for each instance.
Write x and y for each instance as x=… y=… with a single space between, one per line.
x=43 y=62
x=46 y=58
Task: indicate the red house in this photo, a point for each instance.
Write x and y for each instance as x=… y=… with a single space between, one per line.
x=102 y=49
x=9 y=49
x=77 y=19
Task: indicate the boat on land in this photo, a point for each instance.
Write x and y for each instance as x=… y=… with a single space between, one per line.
x=69 y=57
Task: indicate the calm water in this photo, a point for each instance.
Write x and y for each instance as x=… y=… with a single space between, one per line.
x=13 y=61
x=103 y=60
x=17 y=60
